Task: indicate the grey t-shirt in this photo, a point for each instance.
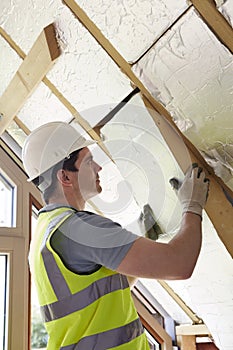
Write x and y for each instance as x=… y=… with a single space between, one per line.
x=87 y=241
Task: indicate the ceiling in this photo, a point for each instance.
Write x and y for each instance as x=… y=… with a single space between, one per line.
x=172 y=63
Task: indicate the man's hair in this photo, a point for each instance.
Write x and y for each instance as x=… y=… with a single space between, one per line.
x=66 y=164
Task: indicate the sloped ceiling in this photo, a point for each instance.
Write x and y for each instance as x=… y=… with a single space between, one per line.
x=184 y=66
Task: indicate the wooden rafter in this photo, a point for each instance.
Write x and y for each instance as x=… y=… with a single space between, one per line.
x=194 y=318
x=21 y=125
x=36 y=64
x=82 y=122
x=219 y=208
x=216 y=21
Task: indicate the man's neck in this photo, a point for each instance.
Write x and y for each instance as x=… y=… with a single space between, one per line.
x=77 y=204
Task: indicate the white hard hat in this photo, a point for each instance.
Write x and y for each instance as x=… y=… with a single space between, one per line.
x=48 y=145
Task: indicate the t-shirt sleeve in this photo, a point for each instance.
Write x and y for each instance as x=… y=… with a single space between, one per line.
x=87 y=240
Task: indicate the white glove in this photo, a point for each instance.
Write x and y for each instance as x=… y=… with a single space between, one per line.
x=193 y=190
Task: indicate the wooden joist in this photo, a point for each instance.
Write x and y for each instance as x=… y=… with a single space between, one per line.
x=219 y=208
x=195 y=319
x=36 y=64
x=192 y=329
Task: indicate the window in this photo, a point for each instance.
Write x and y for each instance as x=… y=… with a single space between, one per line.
x=7 y=201
x=3 y=300
x=15 y=211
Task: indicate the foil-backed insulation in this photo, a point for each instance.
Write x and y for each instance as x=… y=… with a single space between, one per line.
x=191 y=73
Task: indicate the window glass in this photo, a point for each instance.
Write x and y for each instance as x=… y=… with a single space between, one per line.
x=7 y=201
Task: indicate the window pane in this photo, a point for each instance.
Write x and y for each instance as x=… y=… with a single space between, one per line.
x=38 y=332
x=3 y=301
x=7 y=201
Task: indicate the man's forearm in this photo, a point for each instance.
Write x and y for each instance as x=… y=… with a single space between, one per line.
x=187 y=243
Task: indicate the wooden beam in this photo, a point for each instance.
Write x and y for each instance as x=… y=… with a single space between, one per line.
x=82 y=122
x=187 y=342
x=194 y=329
x=194 y=318
x=12 y=43
x=21 y=125
x=219 y=208
x=36 y=64
x=215 y=21
x=114 y=111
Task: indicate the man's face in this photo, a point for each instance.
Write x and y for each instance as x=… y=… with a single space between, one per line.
x=88 y=178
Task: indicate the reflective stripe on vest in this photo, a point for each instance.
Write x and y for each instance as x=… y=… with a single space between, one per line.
x=55 y=276
x=107 y=340
x=83 y=298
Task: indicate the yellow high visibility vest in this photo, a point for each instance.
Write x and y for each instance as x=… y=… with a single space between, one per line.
x=81 y=312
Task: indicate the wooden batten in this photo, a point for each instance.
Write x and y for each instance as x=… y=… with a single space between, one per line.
x=36 y=64
x=195 y=319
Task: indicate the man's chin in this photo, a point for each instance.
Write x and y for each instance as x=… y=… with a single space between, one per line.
x=99 y=189
x=91 y=195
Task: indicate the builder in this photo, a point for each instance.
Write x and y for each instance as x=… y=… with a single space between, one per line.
x=80 y=260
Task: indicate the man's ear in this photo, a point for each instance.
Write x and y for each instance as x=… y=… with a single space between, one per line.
x=64 y=178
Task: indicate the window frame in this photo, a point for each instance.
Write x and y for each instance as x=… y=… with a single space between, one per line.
x=146 y=313
x=15 y=242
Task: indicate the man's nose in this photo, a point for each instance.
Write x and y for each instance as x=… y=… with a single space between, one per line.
x=97 y=167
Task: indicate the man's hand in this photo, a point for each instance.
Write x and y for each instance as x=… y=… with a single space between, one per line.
x=193 y=191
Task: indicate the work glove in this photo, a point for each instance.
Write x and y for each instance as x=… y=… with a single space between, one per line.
x=149 y=224
x=193 y=190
